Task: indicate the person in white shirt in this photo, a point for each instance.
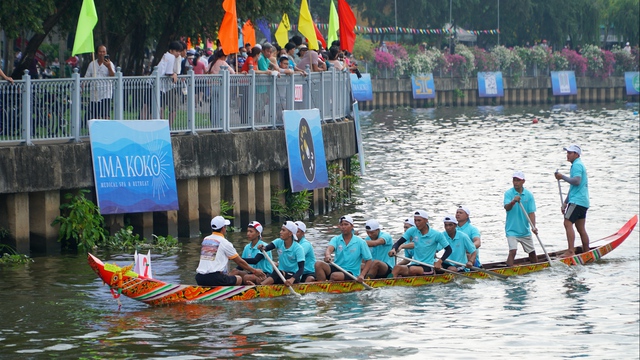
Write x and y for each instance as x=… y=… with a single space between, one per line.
x=101 y=90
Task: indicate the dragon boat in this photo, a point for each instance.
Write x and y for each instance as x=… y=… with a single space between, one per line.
x=122 y=280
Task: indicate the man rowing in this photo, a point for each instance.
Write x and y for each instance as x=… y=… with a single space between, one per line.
x=426 y=242
x=463 y=251
x=350 y=251
x=408 y=246
x=309 y=274
x=254 y=235
x=215 y=254
x=517 y=226
x=290 y=256
x=379 y=243
x=464 y=225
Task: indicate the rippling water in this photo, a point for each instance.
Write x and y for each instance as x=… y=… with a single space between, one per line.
x=434 y=159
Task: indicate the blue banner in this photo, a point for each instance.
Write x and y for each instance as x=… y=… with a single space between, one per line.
x=632 y=81
x=564 y=83
x=356 y=121
x=423 y=87
x=305 y=150
x=133 y=166
x=490 y=84
x=361 y=88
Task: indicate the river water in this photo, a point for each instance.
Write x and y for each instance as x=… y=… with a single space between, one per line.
x=432 y=159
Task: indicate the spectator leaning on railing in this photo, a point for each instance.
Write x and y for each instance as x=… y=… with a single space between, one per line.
x=101 y=90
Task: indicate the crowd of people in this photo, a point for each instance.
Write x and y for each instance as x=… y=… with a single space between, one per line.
x=349 y=256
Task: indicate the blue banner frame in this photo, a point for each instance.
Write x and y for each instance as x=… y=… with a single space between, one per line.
x=423 y=87
x=490 y=84
x=361 y=88
x=305 y=150
x=632 y=82
x=356 y=121
x=564 y=83
x=133 y=166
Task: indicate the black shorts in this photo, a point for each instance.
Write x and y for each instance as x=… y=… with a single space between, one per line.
x=388 y=272
x=287 y=275
x=215 y=279
x=305 y=277
x=335 y=269
x=575 y=212
x=426 y=270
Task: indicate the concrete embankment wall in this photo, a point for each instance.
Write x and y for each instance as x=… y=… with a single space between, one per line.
x=238 y=167
x=528 y=91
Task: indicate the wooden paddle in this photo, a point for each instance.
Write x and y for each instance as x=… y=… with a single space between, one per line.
x=560 y=192
x=366 y=286
x=533 y=227
x=443 y=269
x=488 y=272
x=264 y=253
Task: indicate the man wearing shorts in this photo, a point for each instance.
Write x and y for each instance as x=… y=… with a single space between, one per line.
x=576 y=204
x=379 y=243
x=517 y=226
x=215 y=254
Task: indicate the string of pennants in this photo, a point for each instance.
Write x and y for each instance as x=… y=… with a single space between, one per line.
x=391 y=29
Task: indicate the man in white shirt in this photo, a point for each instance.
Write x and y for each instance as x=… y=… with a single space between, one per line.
x=101 y=90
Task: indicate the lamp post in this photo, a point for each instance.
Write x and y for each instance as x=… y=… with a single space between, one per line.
x=395 y=5
x=498 y=22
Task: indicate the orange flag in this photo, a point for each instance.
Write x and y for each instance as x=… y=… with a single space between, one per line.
x=249 y=34
x=228 y=33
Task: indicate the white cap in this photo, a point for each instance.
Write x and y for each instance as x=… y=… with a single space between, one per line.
x=346 y=218
x=301 y=226
x=465 y=209
x=423 y=214
x=450 y=219
x=410 y=221
x=258 y=46
x=518 y=174
x=372 y=225
x=573 y=148
x=291 y=226
x=256 y=225
x=218 y=222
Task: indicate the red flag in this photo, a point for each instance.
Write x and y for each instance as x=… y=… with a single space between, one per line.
x=347 y=26
x=320 y=37
x=228 y=33
x=249 y=34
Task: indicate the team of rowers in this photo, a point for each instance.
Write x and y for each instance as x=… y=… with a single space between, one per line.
x=347 y=256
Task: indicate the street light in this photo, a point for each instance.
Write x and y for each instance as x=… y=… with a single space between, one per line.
x=498 y=22
x=395 y=5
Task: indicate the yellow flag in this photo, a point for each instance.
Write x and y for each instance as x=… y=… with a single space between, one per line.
x=305 y=26
x=282 y=34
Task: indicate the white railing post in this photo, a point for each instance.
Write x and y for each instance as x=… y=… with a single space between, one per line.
x=291 y=93
x=155 y=97
x=119 y=103
x=252 y=98
x=307 y=93
x=26 y=108
x=76 y=100
x=191 y=101
x=225 y=100
x=273 y=100
x=322 y=99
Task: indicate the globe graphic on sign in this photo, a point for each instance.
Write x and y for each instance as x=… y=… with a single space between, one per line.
x=307 y=154
x=636 y=82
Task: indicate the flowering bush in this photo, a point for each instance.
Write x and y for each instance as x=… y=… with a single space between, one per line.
x=424 y=62
x=558 y=62
x=523 y=53
x=384 y=60
x=540 y=56
x=576 y=61
x=469 y=66
x=398 y=51
x=504 y=57
x=600 y=63
x=484 y=61
x=625 y=61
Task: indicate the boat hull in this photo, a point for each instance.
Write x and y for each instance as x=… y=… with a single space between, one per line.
x=155 y=292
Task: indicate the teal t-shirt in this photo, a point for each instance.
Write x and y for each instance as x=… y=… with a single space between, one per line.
x=263 y=63
x=251 y=251
x=288 y=258
x=309 y=256
x=349 y=257
x=381 y=252
x=517 y=223
x=425 y=246
x=461 y=245
x=472 y=232
x=579 y=195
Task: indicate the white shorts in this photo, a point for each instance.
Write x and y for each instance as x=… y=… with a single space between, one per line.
x=526 y=241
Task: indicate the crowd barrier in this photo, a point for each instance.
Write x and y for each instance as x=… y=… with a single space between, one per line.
x=34 y=110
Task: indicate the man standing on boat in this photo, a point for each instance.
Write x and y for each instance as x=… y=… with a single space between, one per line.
x=379 y=243
x=290 y=256
x=215 y=254
x=351 y=250
x=425 y=245
x=463 y=250
x=517 y=226
x=254 y=235
x=464 y=225
x=576 y=203
x=309 y=274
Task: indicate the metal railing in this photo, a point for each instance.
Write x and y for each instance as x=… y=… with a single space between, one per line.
x=58 y=109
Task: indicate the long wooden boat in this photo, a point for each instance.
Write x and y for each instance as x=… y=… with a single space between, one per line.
x=122 y=280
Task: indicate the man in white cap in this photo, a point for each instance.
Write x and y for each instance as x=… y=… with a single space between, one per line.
x=408 y=246
x=576 y=203
x=290 y=256
x=254 y=235
x=463 y=250
x=464 y=225
x=309 y=274
x=426 y=242
x=351 y=250
x=517 y=226
x=215 y=254
x=379 y=243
